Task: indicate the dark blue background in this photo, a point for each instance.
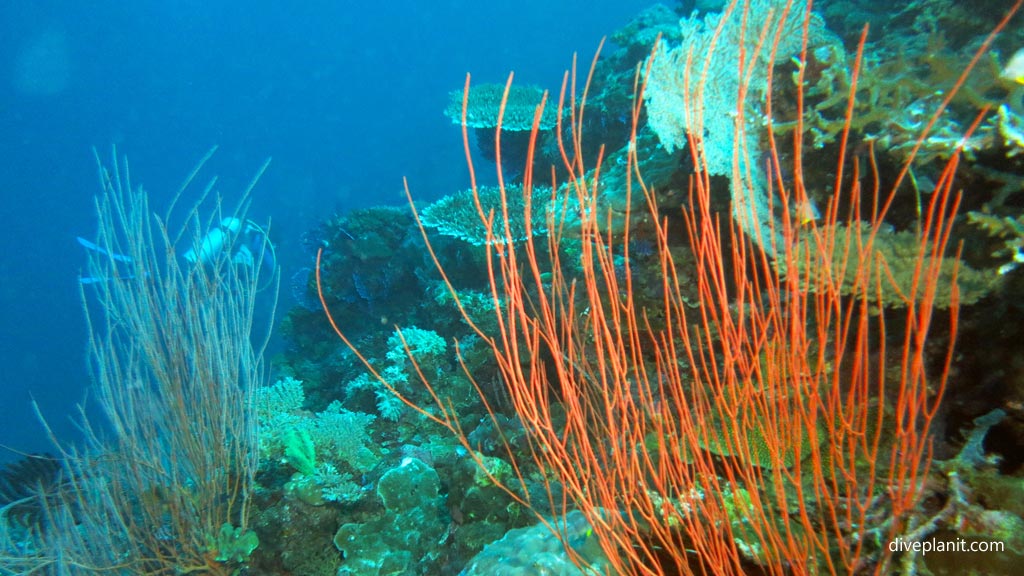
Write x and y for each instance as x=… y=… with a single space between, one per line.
x=347 y=98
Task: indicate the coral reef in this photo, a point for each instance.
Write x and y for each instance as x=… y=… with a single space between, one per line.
x=376 y=278
x=406 y=537
x=353 y=479
x=532 y=550
x=980 y=506
x=296 y=537
x=326 y=450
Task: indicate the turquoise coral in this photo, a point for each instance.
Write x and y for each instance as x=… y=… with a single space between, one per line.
x=326 y=449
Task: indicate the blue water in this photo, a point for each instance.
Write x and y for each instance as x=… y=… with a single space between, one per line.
x=347 y=98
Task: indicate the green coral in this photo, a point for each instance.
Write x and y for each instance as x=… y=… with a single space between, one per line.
x=299 y=450
x=429 y=352
x=478 y=306
x=389 y=406
x=413 y=349
x=325 y=448
x=337 y=435
x=325 y=484
x=278 y=409
x=234 y=545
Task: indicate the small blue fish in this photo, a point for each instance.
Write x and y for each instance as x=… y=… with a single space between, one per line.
x=101 y=279
x=93 y=247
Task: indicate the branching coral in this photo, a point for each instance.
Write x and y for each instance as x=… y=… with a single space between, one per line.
x=325 y=449
x=907 y=72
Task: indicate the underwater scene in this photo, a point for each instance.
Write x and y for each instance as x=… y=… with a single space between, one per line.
x=726 y=287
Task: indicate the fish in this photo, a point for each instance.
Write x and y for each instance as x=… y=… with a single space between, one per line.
x=806 y=212
x=85 y=280
x=93 y=247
